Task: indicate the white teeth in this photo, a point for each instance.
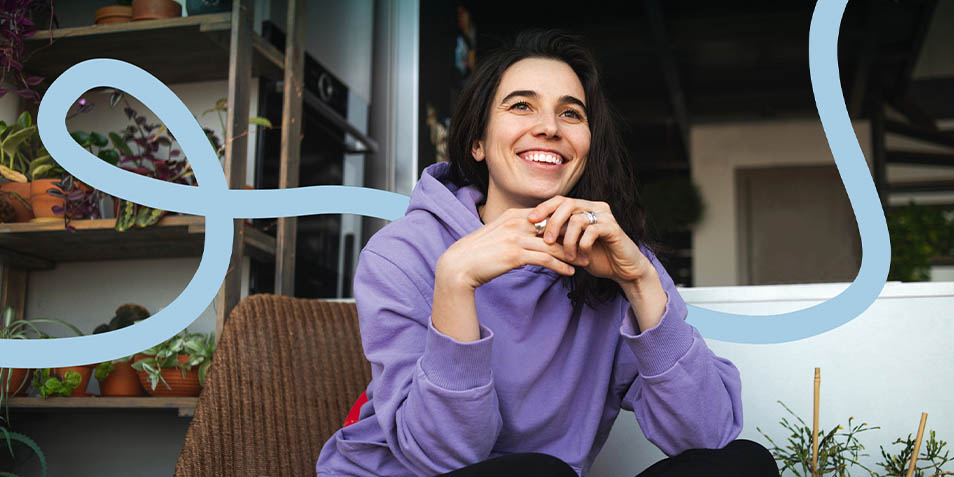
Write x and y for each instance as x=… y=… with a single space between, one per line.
x=543 y=157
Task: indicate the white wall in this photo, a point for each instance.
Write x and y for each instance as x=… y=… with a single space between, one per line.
x=884 y=367
x=716 y=150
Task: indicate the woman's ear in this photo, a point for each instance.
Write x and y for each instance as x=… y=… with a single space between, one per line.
x=477 y=150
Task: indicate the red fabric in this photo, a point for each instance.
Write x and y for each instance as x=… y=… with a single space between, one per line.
x=356 y=410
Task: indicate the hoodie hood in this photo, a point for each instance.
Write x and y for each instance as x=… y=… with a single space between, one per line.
x=454 y=206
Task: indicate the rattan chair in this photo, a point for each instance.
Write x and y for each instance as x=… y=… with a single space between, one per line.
x=284 y=376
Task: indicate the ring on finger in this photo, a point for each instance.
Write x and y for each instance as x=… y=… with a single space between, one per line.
x=591 y=216
x=540 y=226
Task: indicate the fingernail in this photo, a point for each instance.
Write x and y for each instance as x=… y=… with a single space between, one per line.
x=548 y=237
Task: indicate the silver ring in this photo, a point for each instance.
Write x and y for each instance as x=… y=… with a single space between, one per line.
x=540 y=226
x=591 y=216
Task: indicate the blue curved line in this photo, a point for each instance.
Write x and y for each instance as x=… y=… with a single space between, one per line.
x=218 y=204
x=875 y=245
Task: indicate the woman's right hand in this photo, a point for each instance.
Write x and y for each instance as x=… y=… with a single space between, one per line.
x=509 y=242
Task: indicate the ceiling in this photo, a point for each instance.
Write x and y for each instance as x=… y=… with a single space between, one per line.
x=667 y=65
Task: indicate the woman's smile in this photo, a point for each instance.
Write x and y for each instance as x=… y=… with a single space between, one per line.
x=537 y=137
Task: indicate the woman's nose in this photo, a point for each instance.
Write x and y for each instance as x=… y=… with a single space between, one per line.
x=547 y=125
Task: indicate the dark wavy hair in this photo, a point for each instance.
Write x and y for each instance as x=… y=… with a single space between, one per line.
x=608 y=175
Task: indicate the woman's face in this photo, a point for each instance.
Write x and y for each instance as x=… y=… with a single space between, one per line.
x=537 y=136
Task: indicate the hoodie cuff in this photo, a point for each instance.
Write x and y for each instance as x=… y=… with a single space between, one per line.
x=660 y=347
x=456 y=365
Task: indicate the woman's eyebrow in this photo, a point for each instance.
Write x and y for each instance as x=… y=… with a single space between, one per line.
x=565 y=99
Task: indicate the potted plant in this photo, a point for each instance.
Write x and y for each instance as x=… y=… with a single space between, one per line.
x=14 y=165
x=17 y=26
x=12 y=381
x=179 y=363
x=10 y=437
x=67 y=381
x=117 y=378
x=147 y=150
x=155 y=9
x=119 y=13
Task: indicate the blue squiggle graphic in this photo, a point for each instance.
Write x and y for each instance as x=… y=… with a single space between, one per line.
x=875 y=245
x=221 y=205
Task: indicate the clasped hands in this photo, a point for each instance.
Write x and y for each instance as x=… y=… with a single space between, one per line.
x=569 y=238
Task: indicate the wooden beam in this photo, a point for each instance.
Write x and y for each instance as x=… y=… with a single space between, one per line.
x=917 y=43
x=922 y=186
x=863 y=68
x=913 y=132
x=13 y=290
x=920 y=158
x=676 y=96
x=292 y=99
x=879 y=164
x=236 y=148
x=914 y=113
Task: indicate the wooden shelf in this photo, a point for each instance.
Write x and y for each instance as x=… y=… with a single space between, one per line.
x=39 y=246
x=184 y=405
x=174 y=50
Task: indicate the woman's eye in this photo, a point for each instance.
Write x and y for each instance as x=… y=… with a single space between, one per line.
x=573 y=114
x=521 y=106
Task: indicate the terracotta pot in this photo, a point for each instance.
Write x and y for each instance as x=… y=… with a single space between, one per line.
x=84 y=371
x=114 y=14
x=181 y=386
x=23 y=190
x=155 y=9
x=18 y=377
x=123 y=381
x=41 y=201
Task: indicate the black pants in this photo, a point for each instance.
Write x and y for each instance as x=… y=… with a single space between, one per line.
x=741 y=458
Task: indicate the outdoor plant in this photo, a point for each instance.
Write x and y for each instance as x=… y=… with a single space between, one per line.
x=929 y=462
x=837 y=450
x=918 y=235
x=198 y=346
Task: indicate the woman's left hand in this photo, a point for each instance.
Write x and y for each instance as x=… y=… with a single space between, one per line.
x=602 y=248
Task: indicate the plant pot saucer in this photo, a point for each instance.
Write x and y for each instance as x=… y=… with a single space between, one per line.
x=45 y=220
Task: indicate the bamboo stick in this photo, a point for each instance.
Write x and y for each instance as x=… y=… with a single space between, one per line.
x=815 y=425
x=917 y=445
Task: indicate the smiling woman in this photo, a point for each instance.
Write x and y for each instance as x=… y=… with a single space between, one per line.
x=517 y=306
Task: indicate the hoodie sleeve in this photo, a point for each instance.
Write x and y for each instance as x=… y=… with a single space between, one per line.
x=433 y=396
x=683 y=395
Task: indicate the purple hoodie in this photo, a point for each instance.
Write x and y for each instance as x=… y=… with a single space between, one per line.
x=541 y=378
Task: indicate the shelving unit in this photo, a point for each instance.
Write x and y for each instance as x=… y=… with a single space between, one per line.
x=187 y=49
x=184 y=405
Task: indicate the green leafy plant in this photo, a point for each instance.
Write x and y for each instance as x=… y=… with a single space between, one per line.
x=221 y=108
x=126 y=315
x=930 y=459
x=20 y=149
x=165 y=355
x=21 y=330
x=836 y=450
x=48 y=385
x=10 y=437
x=919 y=234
